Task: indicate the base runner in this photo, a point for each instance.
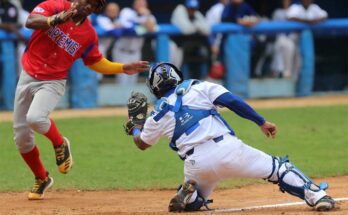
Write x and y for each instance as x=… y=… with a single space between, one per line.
x=62 y=34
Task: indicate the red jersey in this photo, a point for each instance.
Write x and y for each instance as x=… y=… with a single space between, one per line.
x=51 y=52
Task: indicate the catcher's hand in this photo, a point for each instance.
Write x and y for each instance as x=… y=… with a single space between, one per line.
x=269 y=129
x=137 y=110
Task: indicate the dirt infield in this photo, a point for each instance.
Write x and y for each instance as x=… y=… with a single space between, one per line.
x=156 y=201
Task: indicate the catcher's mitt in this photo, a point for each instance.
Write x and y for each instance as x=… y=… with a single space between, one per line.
x=137 y=110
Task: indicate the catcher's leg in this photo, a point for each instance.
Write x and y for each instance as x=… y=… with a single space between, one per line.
x=187 y=198
x=291 y=180
x=193 y=194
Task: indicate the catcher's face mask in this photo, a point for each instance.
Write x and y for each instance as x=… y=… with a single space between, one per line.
x=163 y=77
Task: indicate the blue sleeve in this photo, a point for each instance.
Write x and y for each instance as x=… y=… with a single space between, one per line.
x=237 y=105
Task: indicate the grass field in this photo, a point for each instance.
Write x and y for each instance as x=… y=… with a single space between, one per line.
x=316 y=140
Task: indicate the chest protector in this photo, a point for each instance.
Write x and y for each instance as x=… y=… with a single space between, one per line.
x=186 y=119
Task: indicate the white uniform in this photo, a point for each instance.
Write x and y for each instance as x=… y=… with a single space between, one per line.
x=23 y=16
x=128 y=49
x=106 y=43
x=286 y=57
x=313 y=12
x=211 y=161
x=213 y=15
x=210 y=150
x=106 y=24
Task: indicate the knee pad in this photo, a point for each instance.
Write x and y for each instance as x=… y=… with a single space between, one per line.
x=291 y=180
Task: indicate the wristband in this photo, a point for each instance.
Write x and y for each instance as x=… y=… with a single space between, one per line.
x=57 y=20
x=136 y=131
x=49 y=20
x=54 y=20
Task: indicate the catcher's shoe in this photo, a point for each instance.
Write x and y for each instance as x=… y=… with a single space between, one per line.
x=40 y=186
x=179 y=201
x=64 y=159
x=325 y=204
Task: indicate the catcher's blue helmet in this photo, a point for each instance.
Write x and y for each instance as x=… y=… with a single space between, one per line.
x=163 y=77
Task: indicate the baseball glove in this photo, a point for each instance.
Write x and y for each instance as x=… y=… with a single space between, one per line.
x=137 y=111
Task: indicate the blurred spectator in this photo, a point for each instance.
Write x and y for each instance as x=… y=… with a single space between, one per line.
x=10 y=22
x=108 y=21
x=128 y=49
x=189 y=19
x=240 y=12
x=286 y=58
x=194 y=41
x=285 y=54
x=9 y=17
x=213 y=17
x=280 y=13
x=12 y=18
x=23 y=16
x=307 y=12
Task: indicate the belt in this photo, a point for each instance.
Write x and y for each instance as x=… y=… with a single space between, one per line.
x=191 y=151
x=188 y=153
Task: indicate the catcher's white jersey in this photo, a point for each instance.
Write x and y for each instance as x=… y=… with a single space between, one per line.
x=200 y=96
x=212 y=160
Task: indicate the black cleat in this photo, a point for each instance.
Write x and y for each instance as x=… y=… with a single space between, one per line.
x=325 y=204
x=179 y=201
x=64 y=159
x=39 y=188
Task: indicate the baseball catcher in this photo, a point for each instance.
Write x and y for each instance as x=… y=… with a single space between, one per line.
x=186 y=113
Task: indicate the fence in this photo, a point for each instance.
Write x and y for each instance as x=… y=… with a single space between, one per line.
x=84 y=85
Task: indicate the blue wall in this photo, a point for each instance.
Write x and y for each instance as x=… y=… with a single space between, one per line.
x=237 y=65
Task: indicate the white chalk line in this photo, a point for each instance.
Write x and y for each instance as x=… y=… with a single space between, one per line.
x=270 y=206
